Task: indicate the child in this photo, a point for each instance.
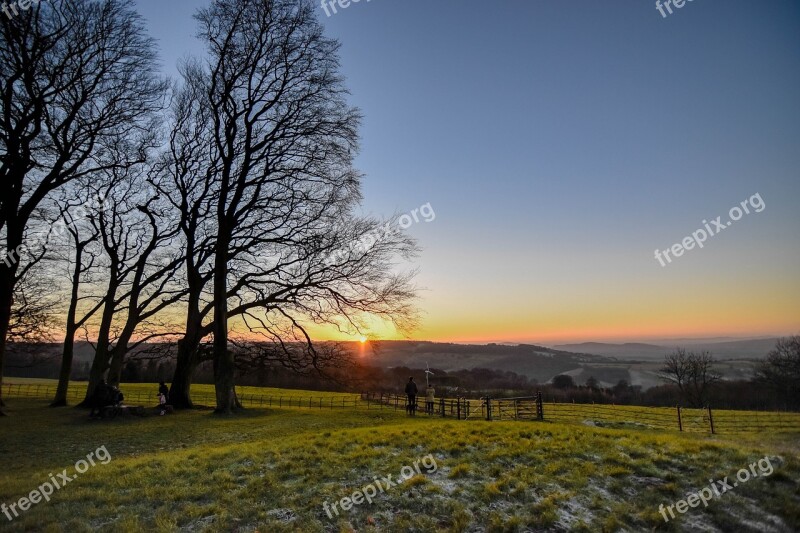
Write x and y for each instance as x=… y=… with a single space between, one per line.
x=162 y=403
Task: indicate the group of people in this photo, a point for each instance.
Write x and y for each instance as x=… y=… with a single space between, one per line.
x=411 y=393
x=106 y=395
x=110 y=396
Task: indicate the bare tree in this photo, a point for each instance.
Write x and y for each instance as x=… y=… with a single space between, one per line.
x=693 y=373
x=265 y=132
x=76 y=77
x=33 y=314
x=136 y=234
x=81 y=259
x=781 y=370
x=305 y=359
x=187 y=182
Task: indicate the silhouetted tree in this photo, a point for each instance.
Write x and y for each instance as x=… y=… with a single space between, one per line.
x=136 y=233
x=81 y=258
x=76 y=77
x=693 y=373
x=781 y=370
x=563 y=381
x=266 y=131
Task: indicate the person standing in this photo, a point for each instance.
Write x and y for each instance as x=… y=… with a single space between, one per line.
x=430 y=394
x=411 y=392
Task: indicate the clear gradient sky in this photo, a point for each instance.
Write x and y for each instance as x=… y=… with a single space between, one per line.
x=560 y=143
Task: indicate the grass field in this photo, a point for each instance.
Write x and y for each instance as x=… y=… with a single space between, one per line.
x=272 y=469
x=149 y=390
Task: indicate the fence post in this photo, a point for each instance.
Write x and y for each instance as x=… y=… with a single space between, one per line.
x=458 y=408
x=710 y=419
x=539 y=406
x=488 y=409
x=680 y=423
x=441 y=406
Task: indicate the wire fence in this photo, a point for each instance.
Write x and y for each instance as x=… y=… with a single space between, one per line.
x=77 y=394
x=529 y=408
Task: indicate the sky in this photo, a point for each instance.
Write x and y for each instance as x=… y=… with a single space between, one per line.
x=560 y=144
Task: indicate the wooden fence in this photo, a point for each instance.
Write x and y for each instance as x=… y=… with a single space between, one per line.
x=533 y=408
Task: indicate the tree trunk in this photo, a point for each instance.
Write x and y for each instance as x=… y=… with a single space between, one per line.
x=117 y=362
x=68 y=353
x=102 y=353
x=6 y=301
x=180 y=391
x=97 y=373
x=223 y=358
x=224 y=384
x=118 y=353
x=60 y=399
x=189 y=346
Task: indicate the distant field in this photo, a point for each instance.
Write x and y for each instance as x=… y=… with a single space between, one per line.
x=271 y=470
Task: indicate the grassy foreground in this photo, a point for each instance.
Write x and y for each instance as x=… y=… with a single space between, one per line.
x=273 y=469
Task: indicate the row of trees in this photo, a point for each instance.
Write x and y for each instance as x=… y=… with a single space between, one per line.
x=776 y=385
x=693 y=381
x=695 y=377
x=202 y=212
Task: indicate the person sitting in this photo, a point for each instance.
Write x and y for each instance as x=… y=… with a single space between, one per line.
x=99 y=399
x=104 y=396
x=163 y=389
x=116 y=396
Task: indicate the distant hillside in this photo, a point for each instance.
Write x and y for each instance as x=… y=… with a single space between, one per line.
x=537 y=362
x=629 y=350
x=742 y=349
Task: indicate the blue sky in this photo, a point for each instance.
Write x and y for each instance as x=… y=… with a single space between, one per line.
x=560 y=143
